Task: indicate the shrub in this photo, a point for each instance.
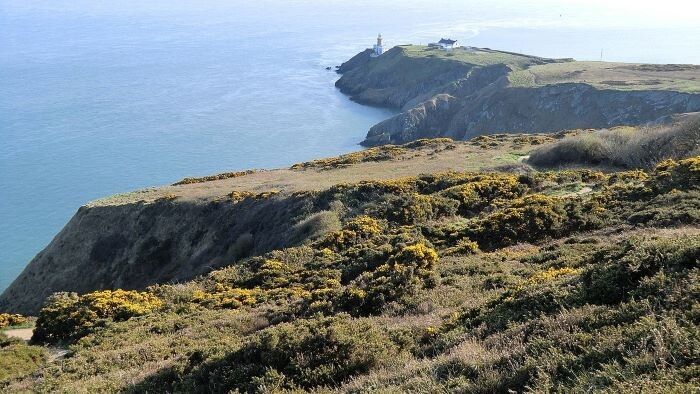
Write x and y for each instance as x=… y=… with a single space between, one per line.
x=271 y=273
x=225 y=297
x=416 y=208
x=632 y=148
x=527 y=219
x=476 y=195
x=584 y=149
x=378 y=153
x=669 y=175
x=356 y=230
x=316 y=225
x=225 y=175
x=411 y=268
x=67 y=316
x=7 y=320
x=238 y=196
x=299 y=355
x=17 y=359
x=623 y=268
x=635 y=270
x=671 y=209
x=464 y=246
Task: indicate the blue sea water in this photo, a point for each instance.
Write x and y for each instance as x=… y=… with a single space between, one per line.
x=100 y=97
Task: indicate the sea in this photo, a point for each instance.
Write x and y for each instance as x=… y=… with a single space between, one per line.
x=99 y=97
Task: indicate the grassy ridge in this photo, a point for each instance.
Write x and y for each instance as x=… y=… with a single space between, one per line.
x=475 y=56
x=458 y=281
x=615 y=76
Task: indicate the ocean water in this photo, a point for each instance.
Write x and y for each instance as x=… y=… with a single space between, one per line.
x=100 y=97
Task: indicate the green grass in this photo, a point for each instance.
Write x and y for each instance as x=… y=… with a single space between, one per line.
x=17 y=359
x=615 y=76
x=477 y=57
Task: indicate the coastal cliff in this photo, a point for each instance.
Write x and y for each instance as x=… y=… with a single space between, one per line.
x=448 y=255
x=136 y=244
x=470 y=91
x=176 y=233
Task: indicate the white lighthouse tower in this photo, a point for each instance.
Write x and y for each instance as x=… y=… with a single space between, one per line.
x=378 y=49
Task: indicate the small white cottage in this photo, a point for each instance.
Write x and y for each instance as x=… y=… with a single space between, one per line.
x=448 y=44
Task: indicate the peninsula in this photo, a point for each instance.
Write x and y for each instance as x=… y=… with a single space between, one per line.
x=466 y=92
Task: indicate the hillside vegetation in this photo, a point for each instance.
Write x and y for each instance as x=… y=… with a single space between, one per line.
x=617 y=76
x=453 y=281
x=176 y=233
x=625 y=146
x=469 y=91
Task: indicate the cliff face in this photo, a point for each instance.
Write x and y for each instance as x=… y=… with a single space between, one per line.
x=429 y=118
x=468 y=93
x=564 y=106
x=135 y=245
x=396 y=79
x=176 y=233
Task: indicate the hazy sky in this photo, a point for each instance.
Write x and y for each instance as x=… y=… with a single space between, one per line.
x=676 y=13
x=662 y=31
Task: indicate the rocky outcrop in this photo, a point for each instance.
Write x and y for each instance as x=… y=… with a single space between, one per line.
x=563 y=106
x=425 y=120
x=428 y=118
x=356 y=61
x=394 y=80
x=135 y=245
x=441 y=97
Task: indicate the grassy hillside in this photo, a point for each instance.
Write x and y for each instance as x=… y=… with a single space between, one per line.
x=616 y=76
x=475 y=56
x=450 y=281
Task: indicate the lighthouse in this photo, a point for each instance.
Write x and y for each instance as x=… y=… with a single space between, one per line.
x=378 y=49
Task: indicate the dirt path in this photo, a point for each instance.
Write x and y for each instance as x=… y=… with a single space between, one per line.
x=55 y=353
x=21 y=333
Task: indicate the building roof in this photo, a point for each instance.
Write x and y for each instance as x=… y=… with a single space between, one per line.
x=446 y=41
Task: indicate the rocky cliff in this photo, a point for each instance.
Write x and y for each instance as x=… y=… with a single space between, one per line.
x=472 y=91
x=137 y=244
x=175 y=233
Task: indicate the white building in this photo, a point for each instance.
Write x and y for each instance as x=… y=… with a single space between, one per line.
x=378 y=49
x=448 y=44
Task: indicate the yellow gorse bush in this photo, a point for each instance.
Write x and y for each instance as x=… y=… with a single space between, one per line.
x=411 y=268
x=226 y=297
x=551 y=274
x=120 y=304
x=364 y=225
x=225 y=175
x=67 y=316
x=379 y=153
x=361 y=227
x=8 y=319
x=476 y=195
x=670 y=174
x=237 y=196
x=464 y=246
x=541 y=278
x=534 y=215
